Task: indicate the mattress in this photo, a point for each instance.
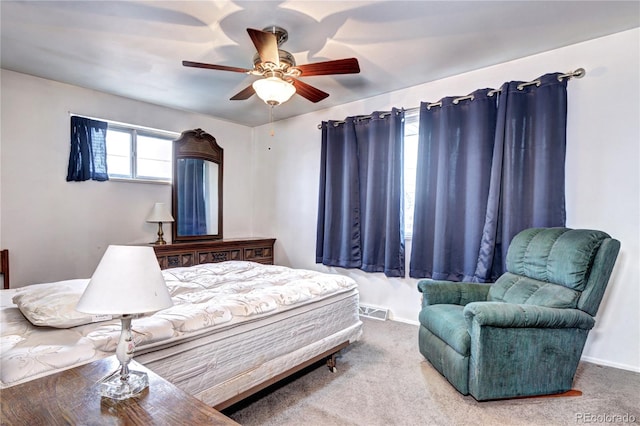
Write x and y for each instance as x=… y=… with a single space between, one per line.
x=233 y=325
x=216 y=367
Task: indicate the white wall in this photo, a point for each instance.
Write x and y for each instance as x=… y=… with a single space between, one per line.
x=603 y=184
x=58 y=230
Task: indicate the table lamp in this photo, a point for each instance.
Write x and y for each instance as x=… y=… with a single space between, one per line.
x=159 y=213
x=127 y=283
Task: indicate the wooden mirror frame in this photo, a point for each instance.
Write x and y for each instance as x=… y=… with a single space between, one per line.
x=196 y=144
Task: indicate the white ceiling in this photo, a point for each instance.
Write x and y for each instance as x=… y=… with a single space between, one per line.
x=135 y=48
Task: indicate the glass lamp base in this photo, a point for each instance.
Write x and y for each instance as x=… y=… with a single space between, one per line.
x=115 y=388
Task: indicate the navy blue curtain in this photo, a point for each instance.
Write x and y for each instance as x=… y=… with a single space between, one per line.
x=88 y=155
x=455 y=145
x=528 y=174
x=192 y=218
x=338 y=231
x=360 y=206
x=474 y=193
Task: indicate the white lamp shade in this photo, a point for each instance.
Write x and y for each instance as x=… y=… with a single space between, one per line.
x=274 y=90
x=128 y=280
x=160 y=213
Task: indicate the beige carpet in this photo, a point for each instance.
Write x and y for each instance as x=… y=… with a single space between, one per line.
x=384 y=380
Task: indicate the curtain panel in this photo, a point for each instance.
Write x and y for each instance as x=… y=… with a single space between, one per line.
x=455 y=146
x=360 y=205
x=486 y=171
x=88 y=155
x=528 y=167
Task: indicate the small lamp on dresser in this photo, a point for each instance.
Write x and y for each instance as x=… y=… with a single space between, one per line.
x=159 y=214
x=127 y=283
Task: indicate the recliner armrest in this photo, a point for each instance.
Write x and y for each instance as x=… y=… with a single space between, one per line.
x=509 y=315
x=452 y=293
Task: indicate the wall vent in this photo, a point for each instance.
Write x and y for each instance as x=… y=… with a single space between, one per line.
x=373 y=312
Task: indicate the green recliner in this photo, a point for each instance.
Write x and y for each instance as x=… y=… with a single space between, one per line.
x=524 y=334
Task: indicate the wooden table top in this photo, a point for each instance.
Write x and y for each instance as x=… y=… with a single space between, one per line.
x=72 y=397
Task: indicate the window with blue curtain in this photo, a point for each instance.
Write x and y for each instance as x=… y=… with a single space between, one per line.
x=360 y=206
x=488 y=167
x=88 y=155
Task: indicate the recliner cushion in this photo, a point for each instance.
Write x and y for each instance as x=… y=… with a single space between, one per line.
x=557 y=255
x=511 y=288
x=447 y=323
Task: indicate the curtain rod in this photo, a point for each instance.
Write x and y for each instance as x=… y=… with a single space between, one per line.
x=578 y=73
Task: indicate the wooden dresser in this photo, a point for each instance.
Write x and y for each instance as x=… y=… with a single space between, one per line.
x=187 y=254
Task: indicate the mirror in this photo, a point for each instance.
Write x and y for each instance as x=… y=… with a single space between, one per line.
x=197 y=187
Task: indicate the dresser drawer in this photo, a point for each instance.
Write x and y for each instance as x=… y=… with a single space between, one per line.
x=215 y=256
x=189 y=254
x=176 y=260
x=259 y=254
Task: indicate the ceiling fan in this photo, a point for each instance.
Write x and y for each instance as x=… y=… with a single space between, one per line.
x=279 y=70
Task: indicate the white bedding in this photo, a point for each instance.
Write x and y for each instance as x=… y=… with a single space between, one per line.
x=208 y=298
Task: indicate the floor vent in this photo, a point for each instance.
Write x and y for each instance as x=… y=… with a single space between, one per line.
x=373 y=312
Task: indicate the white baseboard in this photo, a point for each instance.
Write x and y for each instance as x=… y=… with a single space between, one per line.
x=610 y=364
x=402 y=320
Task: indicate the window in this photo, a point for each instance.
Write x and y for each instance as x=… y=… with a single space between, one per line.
x=411 y=124
x=139 y=154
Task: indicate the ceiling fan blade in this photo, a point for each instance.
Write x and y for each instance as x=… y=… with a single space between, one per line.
x=266 y=45
x=309 y=92
x=339 y=66
x=245 y=93
x=214 y=67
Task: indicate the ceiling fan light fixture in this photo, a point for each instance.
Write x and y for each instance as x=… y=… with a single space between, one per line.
x=279 y=71
x=274 y=90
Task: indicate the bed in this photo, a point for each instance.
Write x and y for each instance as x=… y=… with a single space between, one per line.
x=235 y=327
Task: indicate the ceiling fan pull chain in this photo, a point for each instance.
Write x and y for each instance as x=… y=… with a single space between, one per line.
x=271 y=132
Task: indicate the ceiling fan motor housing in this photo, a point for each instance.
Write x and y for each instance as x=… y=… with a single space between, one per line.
x=281 y=34
x=286 y=60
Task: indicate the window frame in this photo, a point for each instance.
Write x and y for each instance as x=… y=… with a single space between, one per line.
x=134 y=132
